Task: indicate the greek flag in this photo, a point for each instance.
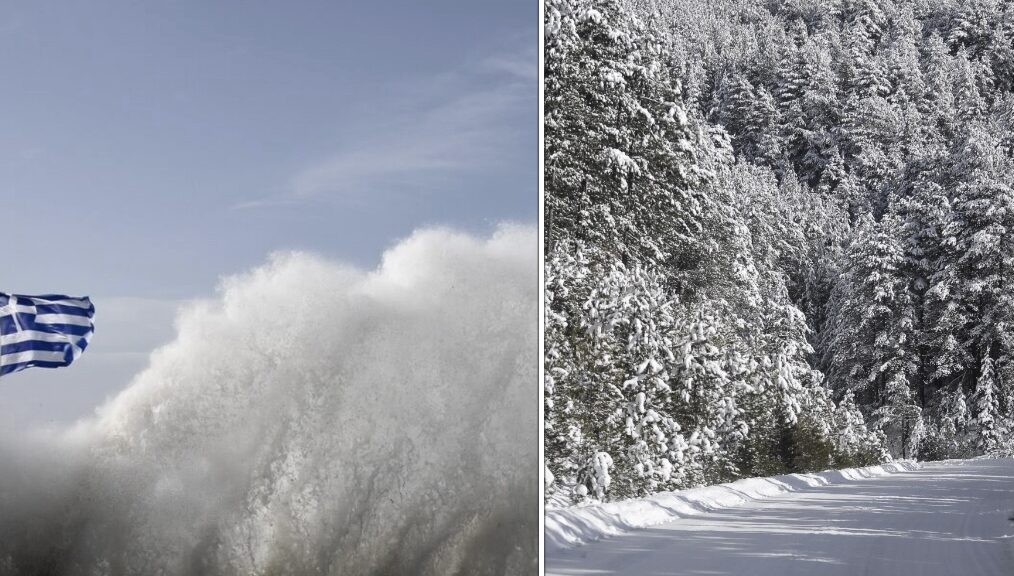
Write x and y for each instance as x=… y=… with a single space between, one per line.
x=47 y=331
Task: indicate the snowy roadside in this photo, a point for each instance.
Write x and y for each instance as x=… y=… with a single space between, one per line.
x=578 y=525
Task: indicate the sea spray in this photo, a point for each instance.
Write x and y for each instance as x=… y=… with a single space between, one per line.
x=312 y=419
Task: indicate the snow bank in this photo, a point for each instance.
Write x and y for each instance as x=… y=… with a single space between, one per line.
x=578 y=525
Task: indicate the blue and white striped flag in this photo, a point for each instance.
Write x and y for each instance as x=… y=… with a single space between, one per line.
x=47 y=331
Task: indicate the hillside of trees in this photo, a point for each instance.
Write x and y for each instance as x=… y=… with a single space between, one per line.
x=779 y=237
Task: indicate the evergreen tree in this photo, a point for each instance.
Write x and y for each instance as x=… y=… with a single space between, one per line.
x=625 y=167
x=987 y=409
x=855 y=446
x=900 y=418
x=866 y=71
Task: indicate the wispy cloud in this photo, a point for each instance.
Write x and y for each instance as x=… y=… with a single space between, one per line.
x=266 y=203
x=460 y=122
x=522 y=64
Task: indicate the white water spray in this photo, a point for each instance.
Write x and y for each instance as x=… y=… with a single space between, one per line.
x=314 y=419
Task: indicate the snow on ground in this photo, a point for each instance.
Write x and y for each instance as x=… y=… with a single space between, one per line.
x=934 y=519
x=582 y=524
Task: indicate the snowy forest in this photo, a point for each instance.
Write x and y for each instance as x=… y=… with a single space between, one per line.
x=779 y=237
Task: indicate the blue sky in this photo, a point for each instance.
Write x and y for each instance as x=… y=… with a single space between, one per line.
x=147 y=149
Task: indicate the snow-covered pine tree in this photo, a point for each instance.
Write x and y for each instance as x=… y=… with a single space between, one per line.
x=750 y=114
x=871 y=346
x=948 y=437
x=902 y=57
x=854 y=444
x=982 y=260
x=900 y=418
x=938 y=101
x=969 y=103
x=922 y=212
x=625 y=166
x=866 y=71
x=972 y=24
x=987 y=422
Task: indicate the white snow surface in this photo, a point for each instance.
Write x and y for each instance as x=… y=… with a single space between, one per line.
x=929 y=519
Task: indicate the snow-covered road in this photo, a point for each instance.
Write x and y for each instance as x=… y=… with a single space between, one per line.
x=946 y=519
